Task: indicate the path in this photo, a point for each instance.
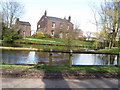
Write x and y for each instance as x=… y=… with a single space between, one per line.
x=63 y=83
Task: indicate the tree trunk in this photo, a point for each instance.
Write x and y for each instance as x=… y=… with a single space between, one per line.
x=110 y=44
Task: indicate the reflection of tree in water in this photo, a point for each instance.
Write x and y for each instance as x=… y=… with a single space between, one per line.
x=111 y=59
x=102 y=59
x=106 y=59
x=42 y=56
x=57 y=58
x=60 y=58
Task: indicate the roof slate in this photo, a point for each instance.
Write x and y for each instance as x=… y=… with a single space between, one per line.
x=24 y=23
x=57 y=19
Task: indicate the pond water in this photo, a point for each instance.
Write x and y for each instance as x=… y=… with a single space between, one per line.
x=17 y=56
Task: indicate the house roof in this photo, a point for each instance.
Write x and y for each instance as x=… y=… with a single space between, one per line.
x=57 y=19
x=24 y=23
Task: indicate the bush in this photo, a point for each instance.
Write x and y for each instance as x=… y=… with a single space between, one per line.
x=40 y=66
x=47 y=36
x=39 y=35
x=9 y=35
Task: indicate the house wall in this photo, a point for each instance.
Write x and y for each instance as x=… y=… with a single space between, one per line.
x=42 y=23
x=25 y=28
x=57 y=25
x=46 y=26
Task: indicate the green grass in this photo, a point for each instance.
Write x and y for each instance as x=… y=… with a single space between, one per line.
x=78 y=68
x=16 y=67
x=83 y=68
x=110 y=50
x=54 y=41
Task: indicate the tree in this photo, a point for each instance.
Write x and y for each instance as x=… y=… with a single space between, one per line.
x=11 y=10
x=88 y=35
x=109 y=21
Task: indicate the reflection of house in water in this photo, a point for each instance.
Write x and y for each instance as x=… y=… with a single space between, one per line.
x=42 y=56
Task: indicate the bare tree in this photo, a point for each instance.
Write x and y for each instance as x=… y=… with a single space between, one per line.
x=109 y=20
x=88 y=35
x=11 y=10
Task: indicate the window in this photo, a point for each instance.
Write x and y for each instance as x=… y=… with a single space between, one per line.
x=52 y=32
x=38 y=26
x=53 y=24
x=68 y=27
x=61 y=26
x=42 y=19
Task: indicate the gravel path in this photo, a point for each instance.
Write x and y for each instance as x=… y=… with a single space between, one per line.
x=57 y=74
x=59 y=83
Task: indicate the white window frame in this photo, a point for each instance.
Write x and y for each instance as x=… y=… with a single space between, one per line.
x=53 y=24
x=38 y=26
x=68 y=27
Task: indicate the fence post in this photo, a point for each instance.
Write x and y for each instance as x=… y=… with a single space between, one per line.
x=50 y=57
x=118 y=59
x=70 y=59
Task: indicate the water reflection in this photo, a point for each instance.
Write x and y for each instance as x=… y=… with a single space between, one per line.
x=14 y=56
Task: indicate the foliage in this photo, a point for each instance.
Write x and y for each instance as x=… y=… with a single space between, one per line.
x=3 y=63
x=9 y=35
x=39 y=35
x=109 y=21
x=10 y=11
x=82 y=38
x=47 y=36
x=40 y=66
x=107 y=25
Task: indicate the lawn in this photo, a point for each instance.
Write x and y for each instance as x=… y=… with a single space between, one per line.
x=54 y=41
x=79 y=68
x=110 y=50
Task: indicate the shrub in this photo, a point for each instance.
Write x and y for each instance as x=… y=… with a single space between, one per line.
x=40 y=66
x=39 y=35
x=47 y=36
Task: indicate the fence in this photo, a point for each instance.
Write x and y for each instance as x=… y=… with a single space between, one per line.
x=81 y=52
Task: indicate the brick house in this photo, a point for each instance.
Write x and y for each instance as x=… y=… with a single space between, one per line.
x=24 y=28
x=54 y=26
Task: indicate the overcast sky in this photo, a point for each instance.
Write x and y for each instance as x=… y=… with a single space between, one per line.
x=79 y=10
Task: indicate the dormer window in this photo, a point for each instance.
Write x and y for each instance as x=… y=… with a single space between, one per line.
x=53 y=24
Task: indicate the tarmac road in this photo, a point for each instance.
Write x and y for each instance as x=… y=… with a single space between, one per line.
x=58 y=83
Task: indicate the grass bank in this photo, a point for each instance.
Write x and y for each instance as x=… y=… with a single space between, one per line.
x=110 y=50
x=18 y=48
x=78 y=68
x=54 y=41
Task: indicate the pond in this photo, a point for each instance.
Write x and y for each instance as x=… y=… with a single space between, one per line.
x=33 y=57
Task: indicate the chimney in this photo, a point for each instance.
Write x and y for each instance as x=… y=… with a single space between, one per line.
x=65 y=18
x=17 y=20
x=69 y=18
x=45 y=13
